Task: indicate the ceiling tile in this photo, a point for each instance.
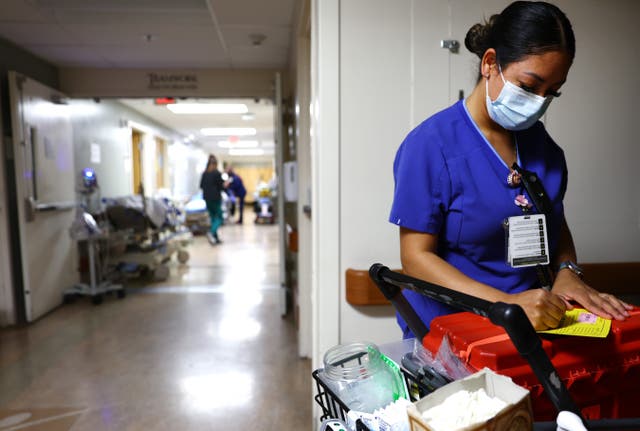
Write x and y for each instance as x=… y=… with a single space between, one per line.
x=35 y=33
x=112 y=33
x=69 y=55
x=238 y=36
x=19 y=10
x=102 y=5
x=191 y=37
x=250 y=57
x=140 y=17
x=273 y=12
x=125 y=56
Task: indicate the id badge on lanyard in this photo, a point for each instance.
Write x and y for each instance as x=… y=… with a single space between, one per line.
x=527 y=240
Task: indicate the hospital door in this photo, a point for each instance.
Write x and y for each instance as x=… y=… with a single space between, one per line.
x=45 y=190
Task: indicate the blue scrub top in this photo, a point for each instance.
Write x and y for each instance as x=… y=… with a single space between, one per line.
x=450 y=182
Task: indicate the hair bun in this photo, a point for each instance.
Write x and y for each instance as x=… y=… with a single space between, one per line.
x=478 y=38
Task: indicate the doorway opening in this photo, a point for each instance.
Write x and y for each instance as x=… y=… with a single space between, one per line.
x=239 y=132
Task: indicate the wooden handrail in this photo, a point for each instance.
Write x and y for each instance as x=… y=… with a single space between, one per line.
x=361 y=290
x=619 y=278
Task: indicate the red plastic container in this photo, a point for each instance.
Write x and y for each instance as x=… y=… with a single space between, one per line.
x=601 y=374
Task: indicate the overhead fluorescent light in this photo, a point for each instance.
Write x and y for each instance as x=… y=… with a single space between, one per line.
x=238 y=144
x=228 y=131
x=208 y=108
x=246 y=152
x=249 y=116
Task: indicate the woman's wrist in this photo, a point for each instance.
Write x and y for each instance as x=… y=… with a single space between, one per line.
x=565 y=276
x=570 y=265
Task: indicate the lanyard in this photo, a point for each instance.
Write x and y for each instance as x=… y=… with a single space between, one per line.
x=535 y=189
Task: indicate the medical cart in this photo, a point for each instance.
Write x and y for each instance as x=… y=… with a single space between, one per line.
x=508 y=316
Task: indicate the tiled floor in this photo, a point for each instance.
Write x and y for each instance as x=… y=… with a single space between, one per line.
x=206 y=350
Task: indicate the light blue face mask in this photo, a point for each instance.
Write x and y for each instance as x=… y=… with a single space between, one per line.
x=515 y=108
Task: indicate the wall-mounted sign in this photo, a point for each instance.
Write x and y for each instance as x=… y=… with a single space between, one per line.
x=49 y=149
x=152 y=83
x=172 y=81
x=95 y=153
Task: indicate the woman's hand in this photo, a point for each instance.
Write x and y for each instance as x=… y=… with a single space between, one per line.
x=544 y=309
x=572 y=288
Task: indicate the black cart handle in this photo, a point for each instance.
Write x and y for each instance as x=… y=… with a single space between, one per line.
x=509 y=316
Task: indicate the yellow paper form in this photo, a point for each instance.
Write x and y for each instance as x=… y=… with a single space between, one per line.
x=579 y=322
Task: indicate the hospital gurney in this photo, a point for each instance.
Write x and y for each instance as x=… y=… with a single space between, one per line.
x=150 y=231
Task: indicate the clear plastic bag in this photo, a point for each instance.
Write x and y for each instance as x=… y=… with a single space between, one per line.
x=446 y=363
x=455 y=368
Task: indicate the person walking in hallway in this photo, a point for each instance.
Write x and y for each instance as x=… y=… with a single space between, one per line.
x=212 y=185
x=235 y=184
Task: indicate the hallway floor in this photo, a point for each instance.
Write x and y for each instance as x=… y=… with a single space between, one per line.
x=206 y=350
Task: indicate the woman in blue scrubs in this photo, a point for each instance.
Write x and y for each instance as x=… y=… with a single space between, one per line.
x=454 y=185
x=212 y=186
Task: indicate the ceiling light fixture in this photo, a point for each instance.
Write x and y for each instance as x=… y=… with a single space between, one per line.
x=246 y=152
x=238 y=144
x=249 y=116
x=208 y=108
x=228 y=131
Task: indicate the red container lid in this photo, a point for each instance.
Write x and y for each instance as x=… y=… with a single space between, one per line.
x=484 y=344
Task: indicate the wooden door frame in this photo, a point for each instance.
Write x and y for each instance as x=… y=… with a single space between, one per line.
x=161 y=162
x=136 y=160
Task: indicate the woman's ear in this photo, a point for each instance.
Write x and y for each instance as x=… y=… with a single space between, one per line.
x=489 y=61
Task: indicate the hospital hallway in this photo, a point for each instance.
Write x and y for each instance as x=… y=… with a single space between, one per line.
x=205 y=350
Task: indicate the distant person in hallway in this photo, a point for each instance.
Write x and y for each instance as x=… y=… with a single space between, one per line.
x=459 y=183
x=212 y=186
x=235 y=185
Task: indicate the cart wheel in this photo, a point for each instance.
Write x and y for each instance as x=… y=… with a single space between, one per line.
x=161 y=273
x=183 y=256
x=96 y=299
x=69 y=298
x=121 y=293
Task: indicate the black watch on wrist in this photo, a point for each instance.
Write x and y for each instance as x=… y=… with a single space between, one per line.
x=572 y=266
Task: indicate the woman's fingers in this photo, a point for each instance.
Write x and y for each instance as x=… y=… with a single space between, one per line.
x=614 y=306
x=544 y=309
x=603 y=304
x=596 y=305
x=567 y=302
x=552 y=308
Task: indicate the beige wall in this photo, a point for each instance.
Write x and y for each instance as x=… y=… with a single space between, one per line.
x=303 y=153
x=378 y=70
x=7 y=309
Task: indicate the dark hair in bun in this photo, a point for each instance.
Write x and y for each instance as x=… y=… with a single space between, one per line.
x=523 y=28
x=478 y=37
